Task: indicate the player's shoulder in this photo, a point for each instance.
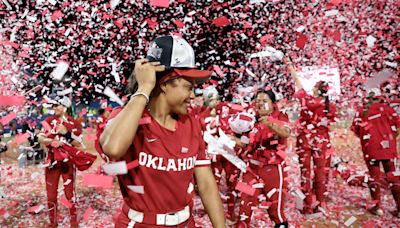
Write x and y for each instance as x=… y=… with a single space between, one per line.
x=49 y=119
x=191 y=121
x=72 y=120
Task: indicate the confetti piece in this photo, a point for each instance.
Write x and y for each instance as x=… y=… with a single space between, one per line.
x=330 y=13
x=271 y=192
x=301 y=41
x=114 y=3
x=136 y=188
x=160 y=3
x=20 y=138
x=60 y=70
x=12 y=100
x=56 y=15
x=93 y=180
x=132 y=164
x=112 y=95
x=87 y=214
x=36 y=209
x=65 y=92
x=221 y=21
x=5 y=120
x=218 y=71
x=300 y=194
x=116 y=168
x=245 y=188
x=350 y=221
x=65 y=202
x=370 y=41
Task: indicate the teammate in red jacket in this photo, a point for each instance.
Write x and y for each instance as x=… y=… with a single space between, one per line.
x=61 y=135
x=377 y=125
x=154 y=130
x=317 y=113
x=265 y=157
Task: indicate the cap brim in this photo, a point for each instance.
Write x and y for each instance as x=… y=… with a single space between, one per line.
x=198 y=75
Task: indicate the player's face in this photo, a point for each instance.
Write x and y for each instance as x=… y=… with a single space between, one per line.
x=264 y=104
x=179 y=94
x=59 y=110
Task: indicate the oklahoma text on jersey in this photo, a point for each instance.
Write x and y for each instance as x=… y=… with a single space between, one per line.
x=166 y=164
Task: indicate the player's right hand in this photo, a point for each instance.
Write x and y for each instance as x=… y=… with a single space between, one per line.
x=145 y=73
x=56 y=144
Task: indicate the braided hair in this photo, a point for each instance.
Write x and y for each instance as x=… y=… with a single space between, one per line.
x=323 y=92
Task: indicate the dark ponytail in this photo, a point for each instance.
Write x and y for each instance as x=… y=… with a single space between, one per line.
x=323 y=92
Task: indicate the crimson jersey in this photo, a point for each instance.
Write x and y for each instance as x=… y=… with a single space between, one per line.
x=265 y=143
x=314 y=121
x=377 y=131
x=72 y=126
x=166 y=164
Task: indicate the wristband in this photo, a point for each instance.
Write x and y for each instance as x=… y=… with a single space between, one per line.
x=140 y=94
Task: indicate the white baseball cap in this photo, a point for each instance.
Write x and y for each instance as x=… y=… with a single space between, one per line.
x=65 y=101
x=176 y=53
x=376 y=91
x=242 y=122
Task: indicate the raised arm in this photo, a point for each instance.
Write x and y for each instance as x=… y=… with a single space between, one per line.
x=120 y=131
x=281 y=130
x=293 y=73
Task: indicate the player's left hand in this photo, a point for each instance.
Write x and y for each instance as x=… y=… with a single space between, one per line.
x=61 y=129
x=264 y=120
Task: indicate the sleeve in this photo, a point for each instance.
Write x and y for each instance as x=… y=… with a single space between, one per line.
x=202 y=158
x=100 y=131
x=301 y=94
x=393 y=117
x=77 y=128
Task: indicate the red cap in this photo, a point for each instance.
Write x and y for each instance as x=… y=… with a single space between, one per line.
x=198 y=76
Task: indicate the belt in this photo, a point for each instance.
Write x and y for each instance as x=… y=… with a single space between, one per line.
x=255 y=162
x=168 y=219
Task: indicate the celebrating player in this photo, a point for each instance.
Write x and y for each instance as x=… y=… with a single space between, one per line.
x=61 y=136
x=154 y=128
x=313 y=140
x=377 y=125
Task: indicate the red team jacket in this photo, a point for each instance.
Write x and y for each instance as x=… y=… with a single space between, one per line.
x=314 y=122
x=265 y=143
x=81 y=159
x=377 y=131
x=166 y=164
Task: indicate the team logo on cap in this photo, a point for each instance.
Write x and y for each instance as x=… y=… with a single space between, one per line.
x=154 y=51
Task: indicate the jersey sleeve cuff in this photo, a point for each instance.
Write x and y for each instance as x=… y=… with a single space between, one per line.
x=202 y=163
